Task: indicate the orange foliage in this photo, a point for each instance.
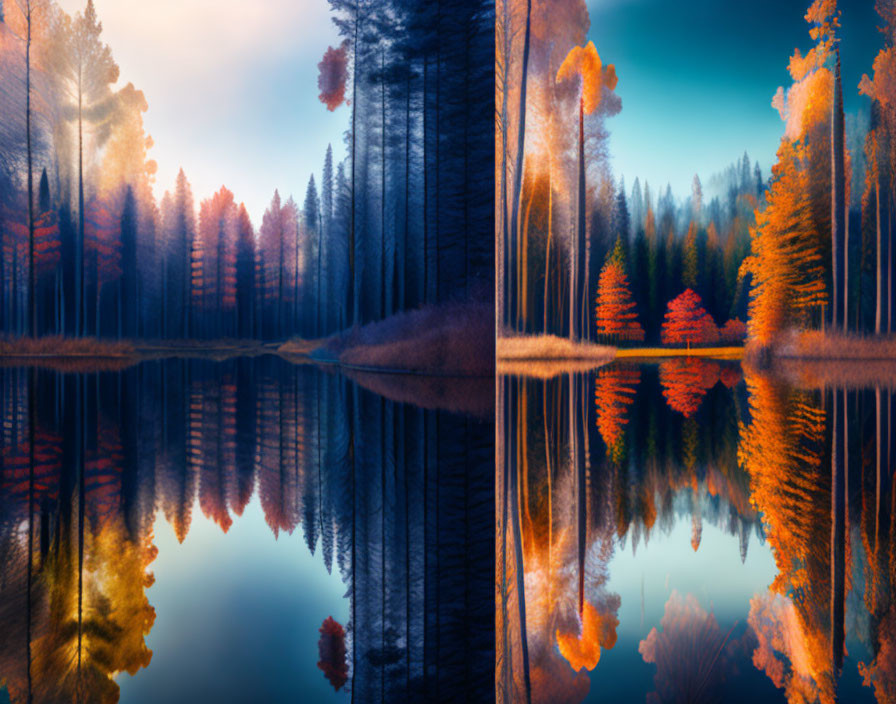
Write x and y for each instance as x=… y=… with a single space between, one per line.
x=686 y=651
x=586 y=63
x=685 y=382
x=598 y=631
x=614 y=392
x=615 y=315
x=785 y=261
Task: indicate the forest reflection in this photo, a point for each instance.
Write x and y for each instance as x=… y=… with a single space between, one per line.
x=595 y=465
x=397 y=498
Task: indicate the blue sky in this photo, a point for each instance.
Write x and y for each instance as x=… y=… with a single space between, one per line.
x=697 y=79
x=232 y=90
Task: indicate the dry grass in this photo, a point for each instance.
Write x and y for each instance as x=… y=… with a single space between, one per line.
x=58 y=346
x=550 y=348
x=838 y=374
x=453 y=339
x=299 y=347
x=548 y=368
x=819 y=345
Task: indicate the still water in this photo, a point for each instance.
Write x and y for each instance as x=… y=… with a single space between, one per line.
x=695 y=531
x=251 y=530
x=244 y=531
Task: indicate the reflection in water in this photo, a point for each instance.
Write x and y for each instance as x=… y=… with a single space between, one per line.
x=591 y=463
x=397 y=498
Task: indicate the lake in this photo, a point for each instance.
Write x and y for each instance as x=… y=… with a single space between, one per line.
x=253 y=530
x=693 y=531
x=246 y=530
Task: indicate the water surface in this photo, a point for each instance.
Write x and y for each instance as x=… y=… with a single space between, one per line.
x=241 y=531
x=691 y=531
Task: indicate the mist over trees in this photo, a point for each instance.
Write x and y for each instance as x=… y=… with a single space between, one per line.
x=404 y=220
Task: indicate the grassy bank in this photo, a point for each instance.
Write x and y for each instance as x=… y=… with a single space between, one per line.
x=550 y=347
x=448 y=340
x=822 y=346
x=57 y=346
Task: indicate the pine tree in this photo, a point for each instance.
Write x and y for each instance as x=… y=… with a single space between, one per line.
x=615 y=314
x=785 y=264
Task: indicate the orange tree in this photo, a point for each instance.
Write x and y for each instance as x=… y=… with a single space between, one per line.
x=615 y=315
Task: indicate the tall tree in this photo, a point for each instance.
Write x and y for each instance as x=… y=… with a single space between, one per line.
x=313 y=230
x=245 y=275
x=28 y=9
x=839 y=244
x=584 y=64
x=616 y=317
x=881 y=159
x=85 y=65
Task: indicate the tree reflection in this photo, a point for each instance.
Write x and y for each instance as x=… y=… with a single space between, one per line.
x=397 y=497
x=806 y=469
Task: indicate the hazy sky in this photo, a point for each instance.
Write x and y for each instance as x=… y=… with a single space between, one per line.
x=697 y=79
x=232 y=90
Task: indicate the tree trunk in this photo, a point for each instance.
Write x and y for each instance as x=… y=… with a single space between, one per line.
x=878 y=311
x=578 y=287
x=32 y=293
x=518 y=165
x=838 y=528
x=838 y=208
x=351 y=309
x=80 y=298
x=383 y=297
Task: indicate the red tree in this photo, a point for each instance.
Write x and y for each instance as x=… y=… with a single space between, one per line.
x=686 y=321
x=615 y=312
x=686 y=381
x=332 y=77
x=734 y=331
x=331 y=648
x=216 y=245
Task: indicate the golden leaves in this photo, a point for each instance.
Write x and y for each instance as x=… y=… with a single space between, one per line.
x=586 y=63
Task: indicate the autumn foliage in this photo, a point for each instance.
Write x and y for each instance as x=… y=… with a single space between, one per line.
x=685 y=382
x=585 y=62
x=785 y=263
x=331 y=80
x=582 y=651
x=734 y=331
x=614 y=393
x=615 y=316
x=687 y=322
x=332 y=653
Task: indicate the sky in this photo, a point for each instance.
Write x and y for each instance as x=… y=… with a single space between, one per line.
x=229 y=625
x=697 y=78
x=232 y=90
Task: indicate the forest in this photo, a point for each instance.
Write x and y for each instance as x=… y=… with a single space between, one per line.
x=404 y=221
x=808 y=247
